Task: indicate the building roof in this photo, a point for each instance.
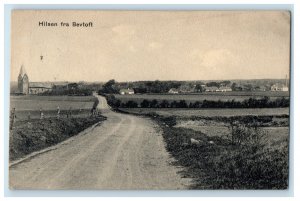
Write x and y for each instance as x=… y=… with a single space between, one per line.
x=126 y=90
x=225 y=88
x=40 y=85
x=279 y=85
x=173 y=89
x=211 y=88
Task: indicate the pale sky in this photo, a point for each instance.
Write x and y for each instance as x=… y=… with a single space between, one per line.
x=151 y=45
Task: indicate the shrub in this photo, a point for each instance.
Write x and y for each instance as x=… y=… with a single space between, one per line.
x=164 y=104
x=131 y=104
x=182 y=104
x=154 y=103
x=145 y=103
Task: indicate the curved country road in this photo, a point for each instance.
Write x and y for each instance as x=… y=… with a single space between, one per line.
x=124 y=152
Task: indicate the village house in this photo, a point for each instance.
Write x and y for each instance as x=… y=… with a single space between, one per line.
x=126 y=91
x=279 y=87
x=211 y=89
x=173 y=91
x=39 y=87
x=224 y=89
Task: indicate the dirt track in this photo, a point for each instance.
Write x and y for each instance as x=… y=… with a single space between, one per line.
x=125 y=152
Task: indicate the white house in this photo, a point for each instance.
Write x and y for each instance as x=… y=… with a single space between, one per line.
x=173 y=91
x=224 y=89
x=211 y=89
x=126 y=91
x=39 y=87
x=279 y=87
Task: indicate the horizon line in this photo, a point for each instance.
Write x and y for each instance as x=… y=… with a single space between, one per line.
x=161 y=80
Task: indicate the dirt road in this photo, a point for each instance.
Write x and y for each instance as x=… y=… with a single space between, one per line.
x=125 y=152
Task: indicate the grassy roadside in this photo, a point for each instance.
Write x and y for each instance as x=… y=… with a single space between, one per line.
x=36 y=134
x=239 y=162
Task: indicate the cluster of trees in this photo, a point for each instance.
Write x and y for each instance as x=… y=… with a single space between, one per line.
x=248 y=103
x=69 y=92
x=157 y=86
x=110 y=87
x=218 y=84
x=113 y=87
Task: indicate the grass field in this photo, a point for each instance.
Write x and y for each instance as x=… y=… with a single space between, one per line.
x=209 y=112
x=30 y=133
x=51 y=102
x=258 y=160
x=31 y=105
x=214 y=96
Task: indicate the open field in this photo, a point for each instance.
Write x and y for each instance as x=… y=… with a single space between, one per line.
x=209 y=121
x=213 y=96
x=30 y=105
x=51 y=102
x=36 y=134
x=30 y=133
x=209 y=112
x=252 y=153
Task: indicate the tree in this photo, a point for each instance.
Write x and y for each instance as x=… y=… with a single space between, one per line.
x=154 y=103
x=164 y=104
x=110 y=87
x=213 y=84
x=233 y=86
x=131 y=104
x=145 y=103
x=199 y=88
x=182 y=104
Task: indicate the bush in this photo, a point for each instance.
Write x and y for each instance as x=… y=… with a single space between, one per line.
x=154 y=103
x=112 y=101
x=164 y=104
x=242 y=162
x=248 y=103
x=145 y=103
x=131 y=104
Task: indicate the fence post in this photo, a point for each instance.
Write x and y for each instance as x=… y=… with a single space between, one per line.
x=41 y=114
x=58 y=112
x=12 y=118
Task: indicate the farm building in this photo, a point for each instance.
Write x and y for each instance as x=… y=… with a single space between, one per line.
x=173 y=91
x=39 y=87
x=126 y=91
x=211 y=89
x=224 y=89
x=23 y=82
x=279 y=87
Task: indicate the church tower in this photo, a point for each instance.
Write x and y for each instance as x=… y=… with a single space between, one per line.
x=23 y=81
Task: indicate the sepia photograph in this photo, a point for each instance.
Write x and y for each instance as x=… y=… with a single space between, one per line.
x=149 y=100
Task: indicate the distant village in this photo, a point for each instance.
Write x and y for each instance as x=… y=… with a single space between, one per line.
x=26 y=87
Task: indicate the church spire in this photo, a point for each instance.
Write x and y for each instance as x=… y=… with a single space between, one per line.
x=22 y=71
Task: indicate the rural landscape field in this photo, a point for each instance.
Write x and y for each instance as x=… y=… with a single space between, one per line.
x=226 y=148
x=37 y=122
x=150 y=100
x=210 y=135
x=210 y=96
x=31 y=106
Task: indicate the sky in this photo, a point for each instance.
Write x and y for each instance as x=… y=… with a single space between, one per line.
x=151 y=45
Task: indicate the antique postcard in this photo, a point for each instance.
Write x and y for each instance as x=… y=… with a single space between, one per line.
x=149 y=100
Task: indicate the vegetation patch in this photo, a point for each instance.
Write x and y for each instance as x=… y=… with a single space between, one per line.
x=172 y=102
x=245 y=158
x=241 y=160
x=36 y=134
